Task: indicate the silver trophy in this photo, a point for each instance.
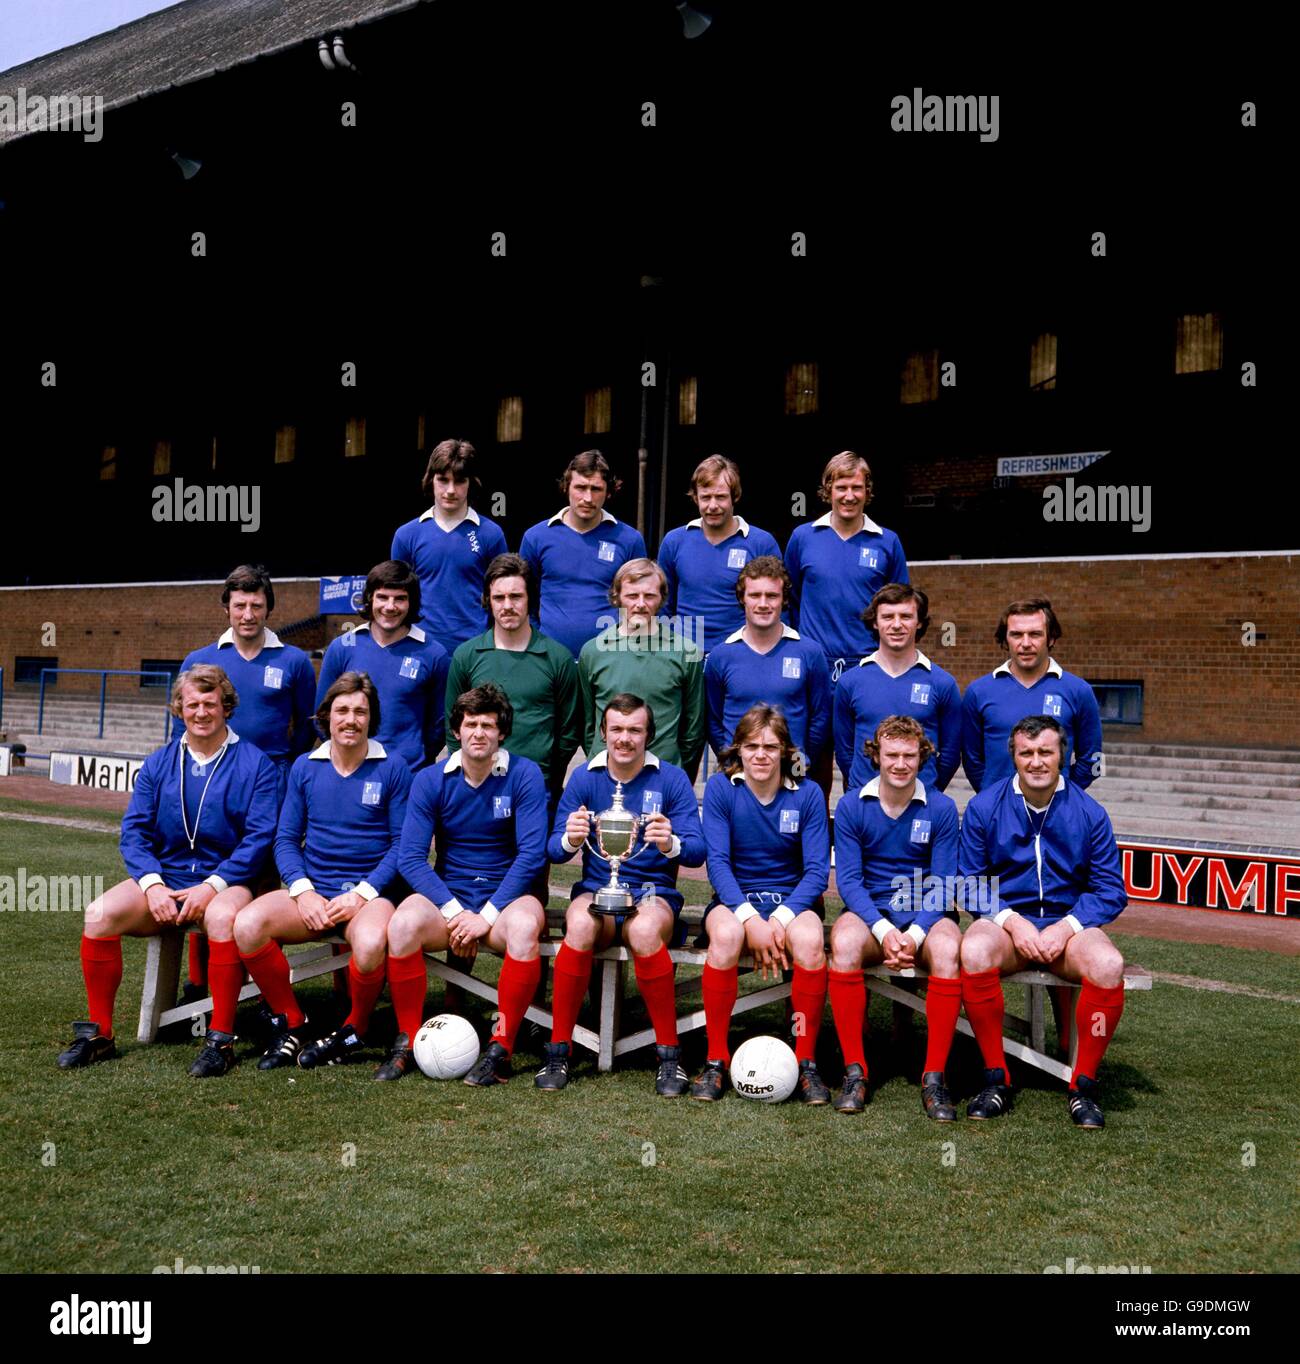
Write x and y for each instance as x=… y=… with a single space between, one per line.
x=616 y=832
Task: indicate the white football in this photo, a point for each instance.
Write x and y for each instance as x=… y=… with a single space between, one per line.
x=763 y=1068
x=446 y=1047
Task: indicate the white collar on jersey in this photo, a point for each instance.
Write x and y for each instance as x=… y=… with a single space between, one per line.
x=1053 y=667
x=872 y=788
x=559 y=516
x=602 y=760
x=374 y=749
x=1015 y=786
x=231 y=738
x=788 y=782
x=867 y=523
x=500 y=764
x=741 y=525
x=875 y=658
x=272 y=640
x=413 y=632
x=786 y=633
x=470 y=515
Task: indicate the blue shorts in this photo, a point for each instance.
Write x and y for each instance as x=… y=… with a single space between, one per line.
x=672 y=898
x=765 y=901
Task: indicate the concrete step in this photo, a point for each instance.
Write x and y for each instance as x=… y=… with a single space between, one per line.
x=1129 y=819
x=1122 y=762
x=1203 y=752
x=1264 y=786
x=49 y=743
x=1130 y=793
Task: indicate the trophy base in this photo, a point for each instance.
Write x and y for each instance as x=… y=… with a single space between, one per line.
x=612 y=900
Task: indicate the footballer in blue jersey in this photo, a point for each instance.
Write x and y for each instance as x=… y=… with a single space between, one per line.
x=668 y=835
x=1050 y=851
x=897 y=679
x=337 y=851
x=703 y=558
x=769 y=858
x=450 y=547
x=408 y=667
x=837 y=564
x=575 y=554
x=895 y=868
x=1030 y=682
x=484 y=810
x=194 y=839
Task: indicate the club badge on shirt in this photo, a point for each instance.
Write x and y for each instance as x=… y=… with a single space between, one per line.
x=1052 y=704
x=606 y=551
x=737 y=558
x=501 y=806
x=868 y=557
x=920 y=831
x=272 y=677
x=371 y=792
x=410 y=668
x=920 y=693
x=652 y=802
x=789 y=821
x=792 y=667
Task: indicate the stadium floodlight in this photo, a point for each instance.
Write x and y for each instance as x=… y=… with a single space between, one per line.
x=694 y=22
x=188 y=167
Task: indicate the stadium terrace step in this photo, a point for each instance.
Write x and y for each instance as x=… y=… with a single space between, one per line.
x=1243 y=785
x=1200 y=752
x=1129 y=763
x=42 y=745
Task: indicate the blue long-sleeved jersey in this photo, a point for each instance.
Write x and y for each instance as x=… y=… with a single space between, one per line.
x=766 y=855
x=793 y=675
x=1063 y=863
x=867 y=694
x=341 y=833
x=658 y=788
x=877 y=859
x=490 y=839
x=451 y=566
x=574 y=570
x=411 y=678
x=276 y=689
x=993 y=704
x=702 y=577
x=231 y=804
x=833 y=580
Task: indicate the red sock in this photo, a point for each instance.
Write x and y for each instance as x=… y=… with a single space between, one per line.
x=942 y=1005
x=654 y=978
x=981 y=993
x=366 y=987
x=1095 y=1017
x=848 y=991
x=515 y=991
x=226 y=974
x=270 y=969
x=720 y=990
x=101 y=964
x=808 y=997
x=572 y=976
x=198 y=959
x=408 y=982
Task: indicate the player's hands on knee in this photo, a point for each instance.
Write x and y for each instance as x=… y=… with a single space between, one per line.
x=899 y=951
x=162 y=904
x=345 y=907
x=767 y=942
x=314 y=910
x=1026 y=940
x=1053 y=941
x=466 y=930
x=659 y=831
x=192 y=901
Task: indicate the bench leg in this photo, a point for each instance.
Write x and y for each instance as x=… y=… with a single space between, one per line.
x=1037 y=1035
x=162 y=973
x=1069 y=998
x=611 y=989
x=1063 y=1002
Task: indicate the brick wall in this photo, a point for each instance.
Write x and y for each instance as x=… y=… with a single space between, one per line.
x=1174 y=623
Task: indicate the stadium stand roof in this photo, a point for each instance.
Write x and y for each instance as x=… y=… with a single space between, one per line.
x=186 y=43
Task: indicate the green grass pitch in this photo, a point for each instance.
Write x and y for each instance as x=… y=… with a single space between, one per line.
x=131 y=1164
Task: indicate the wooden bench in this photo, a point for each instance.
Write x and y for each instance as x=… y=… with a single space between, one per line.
x=1025 y=1040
